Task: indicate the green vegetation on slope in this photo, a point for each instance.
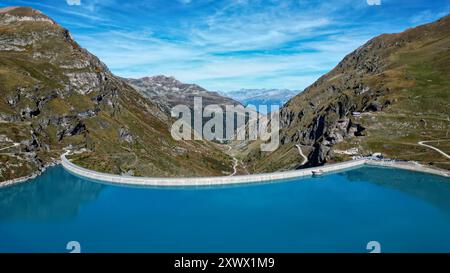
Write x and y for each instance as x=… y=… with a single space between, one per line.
x=56 y=95
x=401 y=85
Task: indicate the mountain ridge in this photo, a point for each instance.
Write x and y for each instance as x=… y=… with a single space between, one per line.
x=385 y=96
x=168 y=92
x=56 y=95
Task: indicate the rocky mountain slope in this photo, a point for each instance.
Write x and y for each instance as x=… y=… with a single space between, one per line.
x=386 y=96
x=55 y=94
x=168 y=92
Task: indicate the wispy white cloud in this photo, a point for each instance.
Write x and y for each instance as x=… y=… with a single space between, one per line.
x=70 y=16
x=217 y=51
x=141 y=54
x=234 y=44
x=73 y=2
x=427 y=16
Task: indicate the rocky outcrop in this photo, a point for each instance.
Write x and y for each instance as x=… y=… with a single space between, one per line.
x=125 y=135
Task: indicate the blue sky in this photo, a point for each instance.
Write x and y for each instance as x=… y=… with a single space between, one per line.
x=232 y=44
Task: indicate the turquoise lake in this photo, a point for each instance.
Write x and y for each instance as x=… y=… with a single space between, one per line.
x=404 y=211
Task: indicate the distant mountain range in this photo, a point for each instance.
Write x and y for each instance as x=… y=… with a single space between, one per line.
x=167 y=92
x=258 y=97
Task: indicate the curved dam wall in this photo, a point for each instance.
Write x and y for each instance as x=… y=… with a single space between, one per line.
x=204 y=181
x=239 y=179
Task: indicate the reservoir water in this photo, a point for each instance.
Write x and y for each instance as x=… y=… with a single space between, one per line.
x=403 y=211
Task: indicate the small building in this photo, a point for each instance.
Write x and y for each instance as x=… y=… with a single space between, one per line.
x=377 y=154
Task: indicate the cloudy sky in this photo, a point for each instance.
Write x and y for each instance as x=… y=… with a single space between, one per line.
x=232 y=44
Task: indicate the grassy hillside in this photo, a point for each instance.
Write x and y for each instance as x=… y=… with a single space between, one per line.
x=401 y=85
x=56 y=95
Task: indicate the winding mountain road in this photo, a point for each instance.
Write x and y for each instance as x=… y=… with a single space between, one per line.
x=305 y=159
x=235 y=162
x=15 y=145
x=434 y=148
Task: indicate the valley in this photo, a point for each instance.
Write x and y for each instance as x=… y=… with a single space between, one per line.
x=389 y=96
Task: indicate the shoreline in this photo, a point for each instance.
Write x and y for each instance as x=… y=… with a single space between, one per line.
x=409 y=166
x=221 y=180
x=24 y=179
